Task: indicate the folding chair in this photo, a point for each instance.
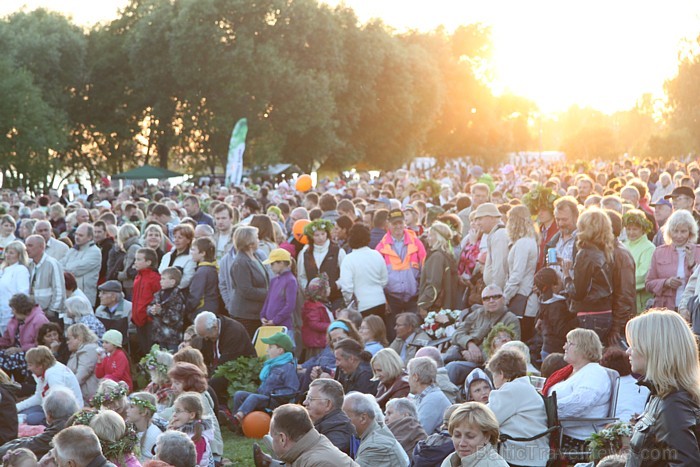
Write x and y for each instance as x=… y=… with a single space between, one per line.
x=596 y=424
x=265 y=331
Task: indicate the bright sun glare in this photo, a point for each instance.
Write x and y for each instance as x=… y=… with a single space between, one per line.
x=597 y=53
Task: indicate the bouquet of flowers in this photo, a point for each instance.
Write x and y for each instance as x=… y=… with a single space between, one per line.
x=439 y=324
x=610 y=440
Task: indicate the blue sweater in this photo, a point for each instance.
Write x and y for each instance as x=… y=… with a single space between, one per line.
x=281 y=300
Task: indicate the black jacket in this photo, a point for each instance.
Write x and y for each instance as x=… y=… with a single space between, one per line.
x=233 y=343
x=8 y=410
x=591 y=288
x=433 y=450
x=337 y=427
x=667 y=433
x=39 y=444
x=360 y=380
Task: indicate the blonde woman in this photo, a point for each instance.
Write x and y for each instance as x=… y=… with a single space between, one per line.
x=474 y=431
x=438 y=281
x=130 y=242
x=663 y=349
x=14 y=279
x=522 y=265
x=82 y=344
x=591 y=287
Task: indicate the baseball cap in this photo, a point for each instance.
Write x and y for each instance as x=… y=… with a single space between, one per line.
x=278 y=254
x=396 y=215
x=663 y=202
x=279 y=339
x=681 y=191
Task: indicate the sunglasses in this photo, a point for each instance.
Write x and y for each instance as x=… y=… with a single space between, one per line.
x=491 y=297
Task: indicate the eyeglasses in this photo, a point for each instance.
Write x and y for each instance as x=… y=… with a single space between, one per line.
x=491 y=297
x=309 y=399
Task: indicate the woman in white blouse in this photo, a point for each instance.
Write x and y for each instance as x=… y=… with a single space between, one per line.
x=14 y=279
x=586 y=390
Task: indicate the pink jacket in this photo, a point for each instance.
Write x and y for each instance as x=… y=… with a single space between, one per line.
x=29 y=332
x=316 y=322
x=664 y=264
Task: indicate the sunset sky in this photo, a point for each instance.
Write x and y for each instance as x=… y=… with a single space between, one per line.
x=603 y=54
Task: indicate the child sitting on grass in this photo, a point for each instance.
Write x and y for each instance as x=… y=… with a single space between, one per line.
x=187 y=418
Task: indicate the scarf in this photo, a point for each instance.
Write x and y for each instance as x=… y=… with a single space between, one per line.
x=283 y=359
x=557 y=377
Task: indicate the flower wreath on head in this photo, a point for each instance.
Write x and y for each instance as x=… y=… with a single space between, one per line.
x=142 y=403
x=637 y=217
x=150 y=361
x=99 y=399
x=318 y=224
x=540 y=198
x=110 y=450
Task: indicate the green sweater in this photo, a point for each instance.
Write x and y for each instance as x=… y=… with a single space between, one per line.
x=642 y=250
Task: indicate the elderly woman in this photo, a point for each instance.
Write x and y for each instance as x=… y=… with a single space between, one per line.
x=663 y=188
x=402 y=420
x=321 y=255
x=353 y=370
x=438 y=281
x=519 y=409
x=250 y=280
x=20 y=335
x=179 y=256
x=48 y=374
x=582 y=387
x=387 y=368
x=430 y=401
x=673 y=263
x=474 y=431
x=14 y=278
x=79 y=310
x=82 y=345
x=637 y=227
x=522 y=265
x=590 y=289
x=664 y=351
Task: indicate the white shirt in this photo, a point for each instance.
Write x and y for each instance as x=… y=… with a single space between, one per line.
x=13 y=280
x=57 y=376
x=364 y=275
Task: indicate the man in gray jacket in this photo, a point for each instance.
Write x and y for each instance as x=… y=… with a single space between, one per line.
x=46 y=282
x=84 y=261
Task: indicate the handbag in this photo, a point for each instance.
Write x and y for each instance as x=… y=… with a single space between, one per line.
x=518 y=304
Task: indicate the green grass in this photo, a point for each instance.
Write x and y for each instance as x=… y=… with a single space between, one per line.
x=238 y=449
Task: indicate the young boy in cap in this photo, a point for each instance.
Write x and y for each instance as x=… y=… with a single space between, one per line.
x=281 y=301
x=113 y=363
x=278 y=376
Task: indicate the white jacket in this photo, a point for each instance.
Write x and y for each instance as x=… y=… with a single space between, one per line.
x=521 y=414
x=363 y=274
x=13 y=280
x=84 y=263
x=56 y=249
x=184 y=262
x=57 y=376
x=496 y=267
x=522 y=265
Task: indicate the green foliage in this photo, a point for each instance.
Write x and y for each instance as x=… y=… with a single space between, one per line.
x=243 y=373
x=541 y=198
x=609 y=440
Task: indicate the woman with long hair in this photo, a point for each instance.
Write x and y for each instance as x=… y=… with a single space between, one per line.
x=14 y=278
x=522 y=265
x=266 y=233
x=438 y=281
x=664 y=351
x=590 y=289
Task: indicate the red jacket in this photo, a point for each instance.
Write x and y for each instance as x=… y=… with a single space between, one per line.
x=316 y=322
x=146 y=284
x=115 y=367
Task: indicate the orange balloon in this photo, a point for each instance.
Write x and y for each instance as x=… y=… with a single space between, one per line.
x=304 y=183
x=298 y=231
x=256 y=424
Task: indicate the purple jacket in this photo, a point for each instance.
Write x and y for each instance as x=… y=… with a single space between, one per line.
x=281 y=300
x=29 y=332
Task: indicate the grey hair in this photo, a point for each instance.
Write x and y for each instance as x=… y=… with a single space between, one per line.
x=78 y=306
x=431 y=352
x=424 y=368
x=208 y=318
x=612 y=202
x=206 y=229
x=492 y=287
x=361 y=404
x=403 y=406
x=176 y=448
x=677 y=220
x=77 y=443
x=60 y=403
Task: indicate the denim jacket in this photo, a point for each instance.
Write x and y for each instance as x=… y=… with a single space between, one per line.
x=282 y=379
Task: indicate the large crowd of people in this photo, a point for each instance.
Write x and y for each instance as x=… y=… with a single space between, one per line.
x=422 y=318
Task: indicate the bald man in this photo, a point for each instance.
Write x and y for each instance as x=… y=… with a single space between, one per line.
x=55 y=249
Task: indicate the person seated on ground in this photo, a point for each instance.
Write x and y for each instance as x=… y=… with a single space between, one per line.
x=324 y=402
x=118 y=442
x=378 y=446
x=158 y=363
x=437 y=446
x=295 y=441
x=142 y=407
x=176 y=449
x=373 y=332
x=78 y=446
x=111 y=395
x=450 y=390
x=49 y=376
x=51 y=336
x=554 y=320
x=352 y=315
x=402 y=419
x=496 y=338
x=524 y=350
x=430 y=401
x=474 y=431
x=631 y=397
x=8 y=408
x=82 y=345
x=387 y=369
x=59 y=405
x=20 y=457
x=20 y=335
x=409 y=336
x=188 y=419
x=552 y=363
x=278 y=377
x=113 y=362
x=519 y=409
x=353 y=370
x=79 y=310
x=467 y=351
x=582 y=387
x=323 y=364
x=478 y=386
